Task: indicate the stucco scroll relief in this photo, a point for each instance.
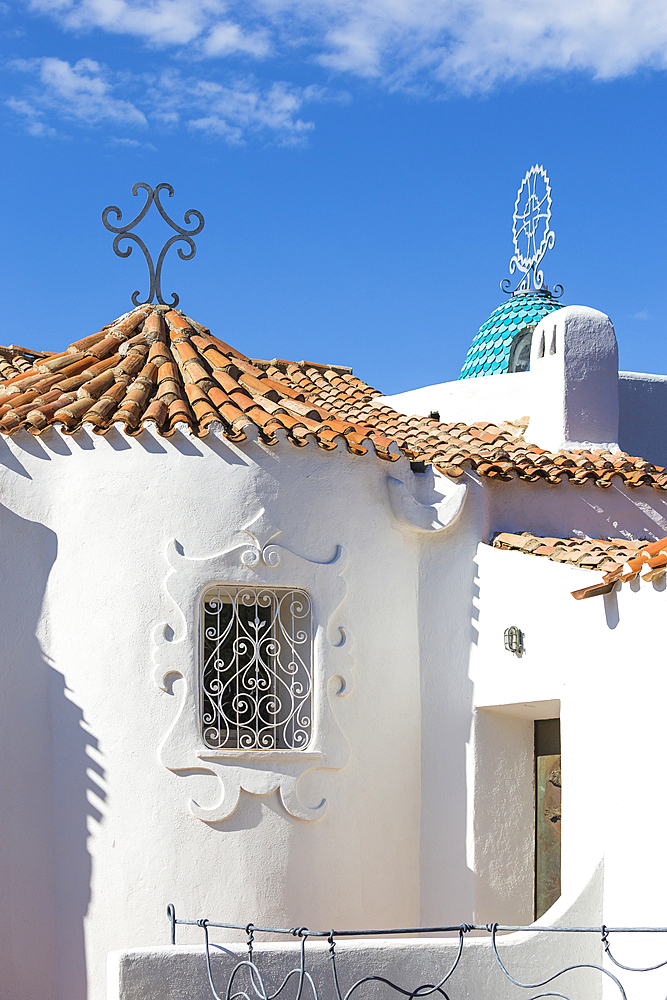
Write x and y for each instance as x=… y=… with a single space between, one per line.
x=261 y=532
x=445 y=504
x=253 y=557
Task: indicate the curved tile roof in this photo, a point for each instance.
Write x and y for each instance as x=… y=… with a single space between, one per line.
x=586 y=553
x=489 y=352
x=156 y=366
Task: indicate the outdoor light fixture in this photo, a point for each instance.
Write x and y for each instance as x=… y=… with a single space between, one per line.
x=514 y=640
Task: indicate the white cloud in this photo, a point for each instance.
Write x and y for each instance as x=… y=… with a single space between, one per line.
x=125 y=142
x=474 y=44
x=32 y=117
x=90 y=94
x=217 y=127
x=232 y=111
x=227 y=38
x=82 y=92
x=161 y=22
x=468 y=44
x=643 y=314
x=430 y=46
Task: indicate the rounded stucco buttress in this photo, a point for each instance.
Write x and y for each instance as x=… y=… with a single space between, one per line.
x=574 y=381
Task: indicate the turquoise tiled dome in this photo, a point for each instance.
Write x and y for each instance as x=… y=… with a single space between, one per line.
x=489 y=352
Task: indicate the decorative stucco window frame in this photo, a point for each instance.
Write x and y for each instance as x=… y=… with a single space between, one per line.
x=258 y=559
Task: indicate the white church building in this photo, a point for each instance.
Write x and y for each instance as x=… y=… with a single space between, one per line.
x=280 y=649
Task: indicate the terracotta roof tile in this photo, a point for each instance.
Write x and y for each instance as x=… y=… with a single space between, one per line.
x=156 y=365
x=612 y=555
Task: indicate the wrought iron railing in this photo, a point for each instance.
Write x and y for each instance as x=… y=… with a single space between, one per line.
x=245 y=981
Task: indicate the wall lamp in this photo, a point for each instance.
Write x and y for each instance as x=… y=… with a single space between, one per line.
x=514 y=640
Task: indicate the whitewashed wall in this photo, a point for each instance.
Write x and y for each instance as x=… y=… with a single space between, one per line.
x=642 y=406
x=97 y=834
x=570 y=393
x=177 y=973
x=598 y=664
x=642 y=401
x=457 y=858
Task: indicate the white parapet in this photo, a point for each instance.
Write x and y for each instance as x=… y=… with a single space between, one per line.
x=642 y=403
x=570 y=394
x=494 y=398
x=179 y=972
x=175 y=972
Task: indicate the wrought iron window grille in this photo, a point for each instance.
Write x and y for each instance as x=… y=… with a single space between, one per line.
x=256 y=668
x=514 y=640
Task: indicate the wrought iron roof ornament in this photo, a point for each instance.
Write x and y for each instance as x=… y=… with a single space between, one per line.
x=183 y=235
x=530 y=232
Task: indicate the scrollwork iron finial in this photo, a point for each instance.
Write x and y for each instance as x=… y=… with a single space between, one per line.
x=531 y=234
x=182 y=235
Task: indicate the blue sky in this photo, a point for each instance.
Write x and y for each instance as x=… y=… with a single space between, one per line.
x=356 y=164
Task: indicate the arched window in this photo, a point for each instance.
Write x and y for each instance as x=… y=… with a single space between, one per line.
x=256 y=676
x=520 y=351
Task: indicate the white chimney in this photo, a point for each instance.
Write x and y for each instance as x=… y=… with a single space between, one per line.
x=574 y=381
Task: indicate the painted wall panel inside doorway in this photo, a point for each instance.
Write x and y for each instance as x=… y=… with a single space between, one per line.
x=547 y=814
